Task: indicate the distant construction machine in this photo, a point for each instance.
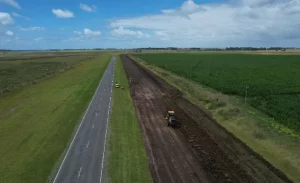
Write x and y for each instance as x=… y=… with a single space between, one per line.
x=171 y=119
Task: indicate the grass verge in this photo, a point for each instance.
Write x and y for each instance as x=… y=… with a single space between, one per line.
x=37 y=122
x=127 y=159
x=248 y=124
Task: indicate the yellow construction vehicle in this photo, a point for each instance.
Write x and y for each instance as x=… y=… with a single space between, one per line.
x=171 y=119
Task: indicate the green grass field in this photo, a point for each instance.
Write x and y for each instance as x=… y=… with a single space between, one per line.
x=127 y=159
x=277 y=144
x=37 y=122
x=19 y=73
x=272 y=81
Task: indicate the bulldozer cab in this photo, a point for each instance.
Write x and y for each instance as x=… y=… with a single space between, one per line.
x=170 y=113
x=170 y=117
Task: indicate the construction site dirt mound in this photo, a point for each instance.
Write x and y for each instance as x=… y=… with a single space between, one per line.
x=200 y=150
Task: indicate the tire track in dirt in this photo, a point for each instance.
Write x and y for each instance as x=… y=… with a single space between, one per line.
x=199 y=151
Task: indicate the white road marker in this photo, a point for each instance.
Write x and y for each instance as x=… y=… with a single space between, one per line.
x=79 y=172
x=93 y=126
x=87 y=146
x=104 y=150
x=96 y=114
x=104 y=144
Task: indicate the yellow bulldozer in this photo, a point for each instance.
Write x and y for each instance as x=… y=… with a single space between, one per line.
x=171 y=119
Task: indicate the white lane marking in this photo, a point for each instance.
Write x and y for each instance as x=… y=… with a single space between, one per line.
x=87 y=146
x=101 y=98
x=93 y=126
x=104 y=143
x=99 y=105
x=79 y=172
x=104 y=150
x=61 y=165
x=106 y=82
x=96 y=114
x=104 y=89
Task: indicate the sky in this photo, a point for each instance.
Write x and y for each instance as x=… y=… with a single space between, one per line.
x=75 y=24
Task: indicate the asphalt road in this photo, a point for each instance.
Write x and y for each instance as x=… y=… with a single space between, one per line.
x=84 y=159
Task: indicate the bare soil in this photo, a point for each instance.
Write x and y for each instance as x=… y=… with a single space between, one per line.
x=200 y=150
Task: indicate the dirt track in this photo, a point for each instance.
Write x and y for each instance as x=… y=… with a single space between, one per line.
x=201 y=150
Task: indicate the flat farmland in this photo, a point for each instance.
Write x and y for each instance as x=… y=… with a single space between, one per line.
x=200 y=150
x=270 y=83
x=37 y=120
x=16 y=71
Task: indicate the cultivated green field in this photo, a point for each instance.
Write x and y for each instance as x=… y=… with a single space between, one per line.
x=16 y=74
x=271 y=82
x=127 y=161
x=38 y=121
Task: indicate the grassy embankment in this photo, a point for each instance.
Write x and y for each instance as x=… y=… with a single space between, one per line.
x=270 y=138
x=127 y=159
x=37 y=122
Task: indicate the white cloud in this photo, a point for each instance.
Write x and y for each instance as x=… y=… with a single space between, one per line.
x=19 y=16
x=62 y=13
x=5 y=18
x=90 y=33
x=87 y=8
x=9 y=33
x=235 y=22
x=77 y=32
x=162 y=35
x=187 y=8
x=11 y=3
x=32 y=28
x=38 y=39
x=120 y=32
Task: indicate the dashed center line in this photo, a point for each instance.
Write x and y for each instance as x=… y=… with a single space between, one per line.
x=79 y=172
x=93 y=126
x=87 y=146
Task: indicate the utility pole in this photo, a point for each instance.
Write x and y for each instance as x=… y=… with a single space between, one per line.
x=246 y=93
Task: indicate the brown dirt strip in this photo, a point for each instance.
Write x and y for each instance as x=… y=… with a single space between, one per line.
x=201 y=150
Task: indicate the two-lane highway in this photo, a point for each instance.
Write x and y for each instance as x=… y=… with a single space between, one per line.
x=84 y=159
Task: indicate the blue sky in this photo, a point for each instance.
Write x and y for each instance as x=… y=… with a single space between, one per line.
x=36 y=24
